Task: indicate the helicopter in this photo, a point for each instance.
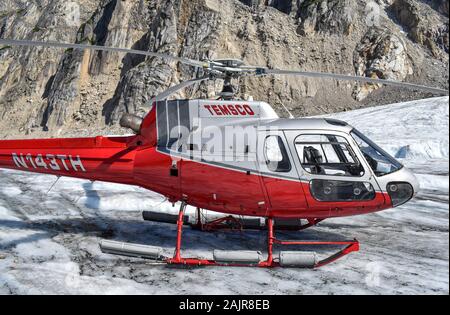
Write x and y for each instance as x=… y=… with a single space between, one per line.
x=233 y=157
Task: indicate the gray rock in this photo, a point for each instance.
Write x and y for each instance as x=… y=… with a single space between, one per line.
x=424 y=25
x=380 y=55
x=441 y=6
x=62 y=91
x=332 y=16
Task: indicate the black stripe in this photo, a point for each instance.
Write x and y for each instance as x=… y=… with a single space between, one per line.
x=172 y=108
x=162 y=123
x=185 y=116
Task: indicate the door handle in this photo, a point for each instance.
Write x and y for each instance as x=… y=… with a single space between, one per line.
x=174 y=169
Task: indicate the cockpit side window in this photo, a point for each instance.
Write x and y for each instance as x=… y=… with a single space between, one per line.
x=277 y=159
x=327 y=155
x=379 y=160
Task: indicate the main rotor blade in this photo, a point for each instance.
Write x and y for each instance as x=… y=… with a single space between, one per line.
x=32 y=43
x=354 y=78
x=206 y=65
x=164 y=95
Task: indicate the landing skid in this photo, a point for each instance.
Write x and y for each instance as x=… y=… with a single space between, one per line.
x=293 y=259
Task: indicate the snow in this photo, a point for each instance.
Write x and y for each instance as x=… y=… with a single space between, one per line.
x=11 y=191
x=49 y=237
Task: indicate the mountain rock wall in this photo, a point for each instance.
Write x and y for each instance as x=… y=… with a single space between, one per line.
x=49 y=92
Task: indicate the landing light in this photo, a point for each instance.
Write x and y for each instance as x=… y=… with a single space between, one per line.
x=400 y=193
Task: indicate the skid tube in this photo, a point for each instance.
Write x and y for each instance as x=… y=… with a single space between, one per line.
x=270 y=262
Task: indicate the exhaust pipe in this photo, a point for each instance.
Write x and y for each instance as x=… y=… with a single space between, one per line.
x=132 y=122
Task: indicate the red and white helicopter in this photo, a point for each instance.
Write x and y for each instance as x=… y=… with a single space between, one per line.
x=231 y=156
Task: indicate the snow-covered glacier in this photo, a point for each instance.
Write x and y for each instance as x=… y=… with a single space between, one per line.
x=49 y=237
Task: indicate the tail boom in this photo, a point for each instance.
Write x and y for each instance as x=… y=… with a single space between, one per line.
x=101 y=158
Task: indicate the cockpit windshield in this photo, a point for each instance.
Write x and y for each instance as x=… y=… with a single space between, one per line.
x=379 y=160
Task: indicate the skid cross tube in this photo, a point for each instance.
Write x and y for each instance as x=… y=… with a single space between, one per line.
x=177 y=255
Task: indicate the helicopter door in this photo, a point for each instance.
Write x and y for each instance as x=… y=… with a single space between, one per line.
x=279 y=174
x=333 y=170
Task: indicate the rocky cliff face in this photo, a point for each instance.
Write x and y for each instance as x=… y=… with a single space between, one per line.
x=47 y=92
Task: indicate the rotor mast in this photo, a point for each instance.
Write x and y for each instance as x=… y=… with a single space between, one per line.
x=227 y=70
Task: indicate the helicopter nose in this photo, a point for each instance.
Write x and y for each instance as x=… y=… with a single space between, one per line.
x=414 y=182
x=401 y=186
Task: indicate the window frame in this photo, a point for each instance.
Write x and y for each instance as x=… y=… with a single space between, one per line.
x=389 y=158
x=347 y=144
x=285 y=156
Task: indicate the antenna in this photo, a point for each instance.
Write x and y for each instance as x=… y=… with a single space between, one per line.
x=288 y=111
